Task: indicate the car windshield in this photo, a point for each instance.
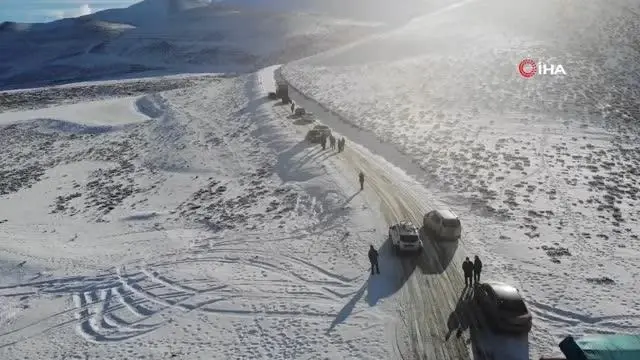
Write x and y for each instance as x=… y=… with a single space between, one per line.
x=451 y=223
x=514 y=307
x=409 y=238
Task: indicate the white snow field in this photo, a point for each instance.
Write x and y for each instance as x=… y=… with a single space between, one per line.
x=119 y=111
x=543 y=171
x=201 y=227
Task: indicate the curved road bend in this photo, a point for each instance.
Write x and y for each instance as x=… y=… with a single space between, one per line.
x=433 y=282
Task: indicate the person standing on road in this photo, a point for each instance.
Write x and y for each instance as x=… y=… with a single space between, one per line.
x=361 y=179
x=343 y=143
x=324 y=141
x=373 y=259
x=477 y=268
x=293 y=107
x=467 y=269
x=332 y=142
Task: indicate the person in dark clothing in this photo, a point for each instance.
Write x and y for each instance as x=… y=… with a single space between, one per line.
x=293 y=107
x=467 y=269
x=361 y=179
x=373 y=259
x=324 y=142
x=477 y=269
x=332 y=142
x=343 y=143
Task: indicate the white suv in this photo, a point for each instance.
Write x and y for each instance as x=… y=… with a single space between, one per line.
x=444 y=224
x=405 y=237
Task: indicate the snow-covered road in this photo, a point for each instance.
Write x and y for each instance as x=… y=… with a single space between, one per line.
x=433 y=299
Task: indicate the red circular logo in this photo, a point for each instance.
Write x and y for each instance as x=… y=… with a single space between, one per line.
x=527 y=68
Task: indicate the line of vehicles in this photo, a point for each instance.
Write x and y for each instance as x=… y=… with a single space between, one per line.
x=502 y=307
x=442 y=224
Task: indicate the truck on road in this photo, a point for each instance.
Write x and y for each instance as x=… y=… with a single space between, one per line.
x=282 y=92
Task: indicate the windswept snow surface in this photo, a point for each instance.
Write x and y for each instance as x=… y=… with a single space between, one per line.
x=207 y=231
x=544 y=171
x=121 y=111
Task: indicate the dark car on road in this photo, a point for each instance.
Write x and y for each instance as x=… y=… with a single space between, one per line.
x=503 y=308
x=314 y=135
x=443 y=223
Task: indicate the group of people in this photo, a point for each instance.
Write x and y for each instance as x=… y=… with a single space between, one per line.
x=472 y=271
x=332 y=142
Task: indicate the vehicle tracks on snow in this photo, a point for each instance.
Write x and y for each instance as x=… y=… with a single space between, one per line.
x=427 y=299
x=127 y=303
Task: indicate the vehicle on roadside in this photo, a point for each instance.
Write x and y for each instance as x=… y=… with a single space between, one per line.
x=405 y=237
x=299 y=111
x=307 y=118
x=314 y=135
x=272 y=95
x=444 y=224
x=503 y=308
x=282 y=92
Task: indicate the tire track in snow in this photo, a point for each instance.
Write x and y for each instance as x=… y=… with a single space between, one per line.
x=141 y=292
x=427 y=318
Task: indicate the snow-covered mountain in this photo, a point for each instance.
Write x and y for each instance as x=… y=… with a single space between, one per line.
x=165 y=36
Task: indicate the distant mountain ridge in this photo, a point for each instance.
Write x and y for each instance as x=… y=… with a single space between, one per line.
x=166 y=37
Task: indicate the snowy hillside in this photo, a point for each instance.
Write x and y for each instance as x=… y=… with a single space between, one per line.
x=164 y=37
x=545 y=170
x=189 y=223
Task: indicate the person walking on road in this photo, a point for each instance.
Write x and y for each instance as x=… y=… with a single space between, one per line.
x=343 y=143
x=332 y=142
x=324 y=142
x=361 y=179
x=373 y=259
x=467 y=269
x=477 y=269
x=293 y=107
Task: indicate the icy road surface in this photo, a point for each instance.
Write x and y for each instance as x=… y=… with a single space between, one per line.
x=435 y=306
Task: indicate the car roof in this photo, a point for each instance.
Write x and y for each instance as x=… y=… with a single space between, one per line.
x=504 y=291
x=407 y=228
x=447 y=214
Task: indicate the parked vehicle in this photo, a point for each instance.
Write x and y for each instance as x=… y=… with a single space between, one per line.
x=299 y=111
x=307 y=118
x=445 y=224
x=405 y=237
x=272 y=96
x=314 y=135
x=503 y=308
x=282 y=92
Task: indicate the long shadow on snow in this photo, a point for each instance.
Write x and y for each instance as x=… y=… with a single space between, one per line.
x=290 y=170
x=437 y=254
x=252 y=105
x=485 y=344
x=378 y=286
